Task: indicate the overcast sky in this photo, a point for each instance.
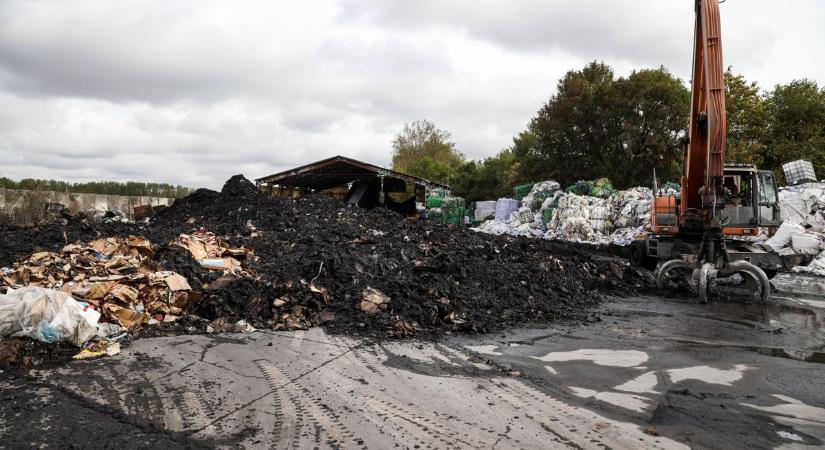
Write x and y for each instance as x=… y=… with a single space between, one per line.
x=192 y=92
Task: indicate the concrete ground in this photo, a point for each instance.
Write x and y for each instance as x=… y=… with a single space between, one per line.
x=654 y=373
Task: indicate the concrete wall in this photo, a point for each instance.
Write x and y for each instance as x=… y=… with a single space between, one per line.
x=15 y=199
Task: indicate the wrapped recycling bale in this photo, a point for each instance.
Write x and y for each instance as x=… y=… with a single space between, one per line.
x=602 y=188
x=485 y=211
x=806 y=243
x=453 y=210
x=435 y=197
x=802 y=204
x=783 y=236
x=522 y=216
x=600 y=218
x=522 y=190
x=434 y=202
x=631 y=208
x=505 y=207
x=47 y=315
x=572 y=218
x=539 y=192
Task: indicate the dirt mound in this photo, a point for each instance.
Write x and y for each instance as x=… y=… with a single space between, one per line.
x=319 y=261
x=316 y=256
x=238 y=186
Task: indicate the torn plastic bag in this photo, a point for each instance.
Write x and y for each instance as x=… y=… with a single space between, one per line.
x=46 y=315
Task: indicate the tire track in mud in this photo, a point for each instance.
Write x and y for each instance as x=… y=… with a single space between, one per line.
x=548 y=415
x=272 y=391
x=423 y=424
x=312 y=418
x=431 y=427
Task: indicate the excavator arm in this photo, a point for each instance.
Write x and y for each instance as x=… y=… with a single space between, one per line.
x=705 y=159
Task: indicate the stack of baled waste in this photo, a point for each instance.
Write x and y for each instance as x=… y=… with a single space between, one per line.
x=504 y=208
x=549 y=212
x=540 y=191
x=802 y=209
x=485 y=211
x=578 y=218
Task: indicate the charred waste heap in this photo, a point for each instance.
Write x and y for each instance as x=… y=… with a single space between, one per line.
x=316 y=261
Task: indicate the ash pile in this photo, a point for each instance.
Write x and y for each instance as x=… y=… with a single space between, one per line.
x=238 y=259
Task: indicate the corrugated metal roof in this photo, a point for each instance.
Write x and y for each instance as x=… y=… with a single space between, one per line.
x=336 y=171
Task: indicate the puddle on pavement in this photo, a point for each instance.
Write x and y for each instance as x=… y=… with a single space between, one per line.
x=798 y=355
x=810 y=356
x=774 y=313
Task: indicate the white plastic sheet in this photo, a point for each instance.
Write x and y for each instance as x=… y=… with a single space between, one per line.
x=47 y=315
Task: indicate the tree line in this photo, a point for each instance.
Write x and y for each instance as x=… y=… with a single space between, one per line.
x=622 y=128
x=129 y=188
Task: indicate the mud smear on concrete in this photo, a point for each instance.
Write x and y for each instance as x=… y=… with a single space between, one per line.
x=72 y=418
x=717 y=420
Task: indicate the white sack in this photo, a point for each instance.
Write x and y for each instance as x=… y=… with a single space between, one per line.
x=783 y=236
x=806 y=243
x=47 y=315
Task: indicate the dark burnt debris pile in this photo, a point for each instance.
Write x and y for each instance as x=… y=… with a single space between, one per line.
x=292 y=264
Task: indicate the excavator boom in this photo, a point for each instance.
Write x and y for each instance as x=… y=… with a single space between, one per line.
x=705 y=157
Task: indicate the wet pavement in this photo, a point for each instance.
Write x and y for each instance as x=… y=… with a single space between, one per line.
x=654 y=373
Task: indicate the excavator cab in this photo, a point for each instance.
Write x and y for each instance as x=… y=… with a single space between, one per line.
x=750 y=200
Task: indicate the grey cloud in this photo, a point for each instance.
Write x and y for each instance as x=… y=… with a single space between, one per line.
x=193 y=92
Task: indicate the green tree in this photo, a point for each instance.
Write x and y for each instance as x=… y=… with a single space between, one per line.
x=573 y=128
x=432 y=170
x=599 y=126
x=422 y=139
x=797 y=125
x=99 y=187
x=650 y=116
x=488 y=179
x=747 y=120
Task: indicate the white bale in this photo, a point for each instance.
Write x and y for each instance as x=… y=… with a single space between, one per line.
x=783 y=235
x=806 y=243
x=505 y=207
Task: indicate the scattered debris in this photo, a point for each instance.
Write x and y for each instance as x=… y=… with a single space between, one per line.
x=115 y=275
x=373 y=300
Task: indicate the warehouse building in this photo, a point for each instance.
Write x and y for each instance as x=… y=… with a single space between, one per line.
x=352 y=181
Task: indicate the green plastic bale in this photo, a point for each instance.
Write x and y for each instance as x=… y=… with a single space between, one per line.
x=584 y=187
x=523 y=190
x=434 y=202
x=454 y=202
x=547 y=215
x=602 y=183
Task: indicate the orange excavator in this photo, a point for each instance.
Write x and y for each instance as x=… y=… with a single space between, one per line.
x=701 y=232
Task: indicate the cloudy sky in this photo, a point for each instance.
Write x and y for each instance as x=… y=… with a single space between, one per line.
x=191 y=92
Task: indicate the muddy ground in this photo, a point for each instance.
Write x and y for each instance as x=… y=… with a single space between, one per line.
x=655 y=373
